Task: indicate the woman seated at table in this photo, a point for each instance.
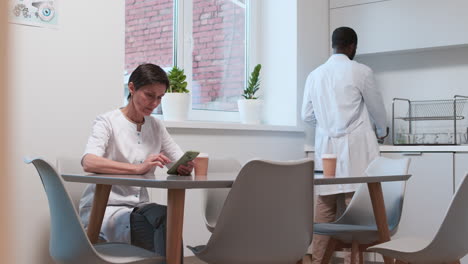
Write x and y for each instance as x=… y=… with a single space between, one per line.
x=131 y=141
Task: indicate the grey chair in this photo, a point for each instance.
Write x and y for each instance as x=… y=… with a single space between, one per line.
x=267 y=216
x=448 y=245
x=68 y=241
x=213 y=199
x=357 y=224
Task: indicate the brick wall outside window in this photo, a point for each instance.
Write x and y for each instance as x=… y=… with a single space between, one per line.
x=148 y=33
x=218 y=46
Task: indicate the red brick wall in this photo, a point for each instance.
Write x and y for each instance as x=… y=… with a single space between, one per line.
x=148 y=33
x=218 y=45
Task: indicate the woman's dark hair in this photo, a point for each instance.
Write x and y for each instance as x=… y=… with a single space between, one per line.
x=146 y=74
x=342 y=37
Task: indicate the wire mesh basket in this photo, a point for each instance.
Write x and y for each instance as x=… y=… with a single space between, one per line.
x=430 y=122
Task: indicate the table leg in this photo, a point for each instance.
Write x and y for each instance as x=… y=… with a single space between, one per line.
x=101 y=196
x=378 y=205
x=175 y=220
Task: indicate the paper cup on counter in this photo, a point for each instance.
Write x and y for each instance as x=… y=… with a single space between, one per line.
x=201 y=165
x=329 y=165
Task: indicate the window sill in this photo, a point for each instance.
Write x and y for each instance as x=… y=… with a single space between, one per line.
x=231 y=126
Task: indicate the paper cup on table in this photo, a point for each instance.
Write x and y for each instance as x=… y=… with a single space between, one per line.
x=329 y=165
x=201 y=164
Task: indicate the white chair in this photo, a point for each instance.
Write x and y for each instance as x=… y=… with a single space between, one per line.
x=357 y=224
x=68 y=241
x=266 y=218
x=213 y=199
x=449 y=244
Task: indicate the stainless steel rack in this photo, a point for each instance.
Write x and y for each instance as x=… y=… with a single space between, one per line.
x=453 y=110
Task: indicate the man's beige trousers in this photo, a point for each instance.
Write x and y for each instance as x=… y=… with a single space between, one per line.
x=326 y=209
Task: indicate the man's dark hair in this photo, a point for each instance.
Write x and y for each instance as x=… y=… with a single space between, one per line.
x=342 y=37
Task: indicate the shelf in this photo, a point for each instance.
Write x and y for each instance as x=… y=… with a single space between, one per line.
x=430 y=118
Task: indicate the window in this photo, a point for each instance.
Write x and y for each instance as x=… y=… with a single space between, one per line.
x=207 y=38
x=218 y=64
x=149 y=33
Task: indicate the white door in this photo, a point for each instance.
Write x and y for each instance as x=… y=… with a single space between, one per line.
x=428 y=192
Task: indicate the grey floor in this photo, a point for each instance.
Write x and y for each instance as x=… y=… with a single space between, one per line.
x=306 y=260
x=194 y=260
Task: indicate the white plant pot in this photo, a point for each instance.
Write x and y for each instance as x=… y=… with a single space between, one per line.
x=176 y=106
x=250 y=111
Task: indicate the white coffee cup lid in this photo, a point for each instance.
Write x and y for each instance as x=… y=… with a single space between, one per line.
x=328 y=156
x=203 y=155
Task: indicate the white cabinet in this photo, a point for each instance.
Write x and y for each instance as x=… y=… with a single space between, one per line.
x=461 y=168
x=347 y=3
x=397 y=25
x=428 y=193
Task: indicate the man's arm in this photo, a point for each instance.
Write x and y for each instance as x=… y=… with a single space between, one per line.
x=307 y=113
x=374 y=102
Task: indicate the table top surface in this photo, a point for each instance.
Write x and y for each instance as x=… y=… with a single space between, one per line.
x=213 y=180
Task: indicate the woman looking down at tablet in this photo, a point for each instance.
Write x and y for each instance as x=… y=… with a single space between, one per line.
x=131 y=141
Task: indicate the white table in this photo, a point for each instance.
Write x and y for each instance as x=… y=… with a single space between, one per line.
x=176 y=186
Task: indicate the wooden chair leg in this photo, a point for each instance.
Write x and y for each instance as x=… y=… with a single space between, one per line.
x=361 y=257
x=329 y=251
x=354 y=251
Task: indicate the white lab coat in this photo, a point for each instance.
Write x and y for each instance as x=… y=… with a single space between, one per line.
x=116 y=138
x=340 y=97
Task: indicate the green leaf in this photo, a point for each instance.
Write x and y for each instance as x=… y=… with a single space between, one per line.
x=253 y=84
x=177 y=83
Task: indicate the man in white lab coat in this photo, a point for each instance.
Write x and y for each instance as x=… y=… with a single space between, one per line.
x=341 y=99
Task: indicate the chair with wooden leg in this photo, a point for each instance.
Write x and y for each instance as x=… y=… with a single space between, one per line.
x=68 y=241
x=356 y=228
x=265 y=218
x=449 y=244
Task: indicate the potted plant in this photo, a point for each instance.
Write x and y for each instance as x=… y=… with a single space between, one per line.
x=250 y=107
x=176 y=102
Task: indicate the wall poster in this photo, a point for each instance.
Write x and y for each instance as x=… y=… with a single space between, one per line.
x=33 y=13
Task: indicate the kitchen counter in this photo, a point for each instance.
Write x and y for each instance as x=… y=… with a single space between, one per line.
x=392 y=148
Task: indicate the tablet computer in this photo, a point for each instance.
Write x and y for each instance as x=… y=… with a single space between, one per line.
x=188 y=156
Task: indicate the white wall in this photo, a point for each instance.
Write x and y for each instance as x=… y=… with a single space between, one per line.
x=277 y=32
x=425 y=75
x=313 y=47
x=292 y=41
x=61 y=79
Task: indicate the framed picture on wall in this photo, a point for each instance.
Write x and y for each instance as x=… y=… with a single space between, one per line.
x=33 y=13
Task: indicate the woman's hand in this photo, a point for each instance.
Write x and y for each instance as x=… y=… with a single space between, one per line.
x=151 y=161
x=186 y=169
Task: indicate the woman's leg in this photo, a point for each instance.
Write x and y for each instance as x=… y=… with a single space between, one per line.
x=148 y=228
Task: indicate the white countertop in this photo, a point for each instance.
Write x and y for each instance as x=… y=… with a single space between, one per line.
x=392 y=148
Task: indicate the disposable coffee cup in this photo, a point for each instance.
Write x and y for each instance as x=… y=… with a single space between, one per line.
x=201 y=165
x=329 y=165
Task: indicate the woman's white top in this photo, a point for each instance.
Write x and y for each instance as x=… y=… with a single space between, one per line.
x=116 y=138
x=340 y=97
